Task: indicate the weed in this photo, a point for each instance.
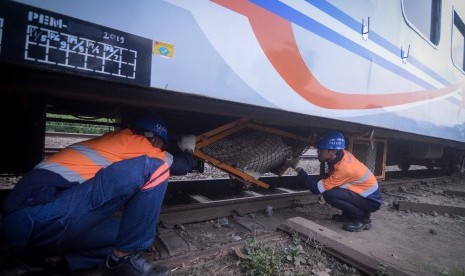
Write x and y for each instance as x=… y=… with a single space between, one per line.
x=381 y=270
x=296 y=257
x=261 y=260
x=295 y=253
x=196 y=271
x=316 y=249
x=456 y=270
x=338 y=268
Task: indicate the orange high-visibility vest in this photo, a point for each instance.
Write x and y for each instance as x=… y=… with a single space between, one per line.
x=81 y=161
x=351 y=174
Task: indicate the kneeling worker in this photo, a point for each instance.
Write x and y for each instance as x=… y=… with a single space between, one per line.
x=60 y=215
x=350 y=186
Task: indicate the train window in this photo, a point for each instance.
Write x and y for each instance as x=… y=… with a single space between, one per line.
x=458 y=42
x=424 y=17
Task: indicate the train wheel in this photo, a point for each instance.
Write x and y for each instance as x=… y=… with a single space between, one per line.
x=447 y=165
x=462 y=165
x=430 y=166
x=404 y=165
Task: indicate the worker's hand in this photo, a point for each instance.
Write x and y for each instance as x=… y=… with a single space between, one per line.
x=187 y=142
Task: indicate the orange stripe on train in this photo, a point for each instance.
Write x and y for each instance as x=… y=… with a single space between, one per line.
x=272 y=30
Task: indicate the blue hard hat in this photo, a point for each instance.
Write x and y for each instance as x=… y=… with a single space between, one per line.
x=331 y=140
x=153 y=124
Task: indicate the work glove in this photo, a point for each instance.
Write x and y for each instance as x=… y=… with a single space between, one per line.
x=187 y=142
x=294 y=163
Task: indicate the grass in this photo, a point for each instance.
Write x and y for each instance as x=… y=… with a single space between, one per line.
x=295 y=257
x=454 y=270
x=76 y=124
x=291 y=256
x=457 y=270
x=261 y=260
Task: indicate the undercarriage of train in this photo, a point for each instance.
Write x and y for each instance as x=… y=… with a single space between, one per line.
x=242 y=140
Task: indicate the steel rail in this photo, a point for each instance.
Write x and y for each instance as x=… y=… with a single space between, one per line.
x=208 y=209
x=195 y=212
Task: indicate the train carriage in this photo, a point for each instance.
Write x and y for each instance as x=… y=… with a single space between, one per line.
x=387 y=71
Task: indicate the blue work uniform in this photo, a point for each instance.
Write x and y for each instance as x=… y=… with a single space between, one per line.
x=66 y=204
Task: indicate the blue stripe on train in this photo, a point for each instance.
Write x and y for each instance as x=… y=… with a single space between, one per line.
x=315 y=27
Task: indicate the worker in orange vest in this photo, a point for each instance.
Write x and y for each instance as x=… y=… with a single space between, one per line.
x=60 y=215
x=349 y=186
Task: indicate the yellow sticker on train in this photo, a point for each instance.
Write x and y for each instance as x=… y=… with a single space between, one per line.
x=163 y=49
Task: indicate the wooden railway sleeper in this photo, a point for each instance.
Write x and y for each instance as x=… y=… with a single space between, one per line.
x=403 y=189
x=385 y=191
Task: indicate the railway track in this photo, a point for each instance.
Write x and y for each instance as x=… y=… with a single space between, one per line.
x=206 y=207
x=194 y=200
x=224 y=205
x=218 y=207
x=190 y=201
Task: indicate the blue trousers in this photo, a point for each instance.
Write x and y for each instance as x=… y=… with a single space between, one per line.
x=80 y=224
x=350 y=203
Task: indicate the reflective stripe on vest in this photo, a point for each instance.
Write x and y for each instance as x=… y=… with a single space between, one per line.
x=63 y=171
x=71 y=175
x=321 y=187
x=169 y=158
x=96 y=157
x=159 y=176
x=369 y=191
x=362 y=179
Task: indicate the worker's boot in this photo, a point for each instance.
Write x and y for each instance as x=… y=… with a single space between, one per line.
x=357 y=225
x=342 y=217
x=367 y=218
x=34 y=266
x=133 y=264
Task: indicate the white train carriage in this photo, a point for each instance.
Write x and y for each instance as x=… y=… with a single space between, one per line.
x=388 y=70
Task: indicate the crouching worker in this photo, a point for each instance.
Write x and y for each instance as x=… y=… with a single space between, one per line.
x=350 y=186
x=61 y=213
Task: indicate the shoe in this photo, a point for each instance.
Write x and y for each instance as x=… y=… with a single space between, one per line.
x=342 y=218
x=133 y=264
x=357 y=226
x=17 y=268
x=367 y=217
x=366 y=221
x=34 y=266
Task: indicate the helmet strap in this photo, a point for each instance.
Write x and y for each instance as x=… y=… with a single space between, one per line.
x=148 y=134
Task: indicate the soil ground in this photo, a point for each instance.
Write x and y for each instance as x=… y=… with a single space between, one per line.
x=420 y=243
x=423 y=243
